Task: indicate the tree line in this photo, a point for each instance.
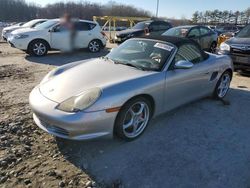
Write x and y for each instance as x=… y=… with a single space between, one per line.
x=222 y=17
x=19 y=10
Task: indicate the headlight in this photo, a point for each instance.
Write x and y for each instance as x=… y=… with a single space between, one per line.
x=80 y=102
x=224 y=47
x=7 y=31
x=20 y=36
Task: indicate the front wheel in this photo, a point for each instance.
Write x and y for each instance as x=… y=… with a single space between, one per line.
x=94 y=46
x=133 y=119
x=223 y=85
x=38 y=48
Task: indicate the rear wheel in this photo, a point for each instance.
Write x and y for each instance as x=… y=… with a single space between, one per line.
x=133 y=118
x=38 y=48
x=94 y=46
x=223 y=85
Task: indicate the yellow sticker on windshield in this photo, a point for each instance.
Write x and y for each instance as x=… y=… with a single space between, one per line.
x=163 y=46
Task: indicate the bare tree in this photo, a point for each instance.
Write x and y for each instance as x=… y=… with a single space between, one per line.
x=19 y=10
x=222 y=17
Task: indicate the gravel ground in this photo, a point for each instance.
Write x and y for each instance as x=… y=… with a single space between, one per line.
x=202 y=144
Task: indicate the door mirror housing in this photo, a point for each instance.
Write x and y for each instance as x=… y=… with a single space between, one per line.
x=52 y=30
x=182 y=64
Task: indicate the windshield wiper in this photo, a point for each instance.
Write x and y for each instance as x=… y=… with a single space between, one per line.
x=123 y=63
x=131 y=65
x=107 y=58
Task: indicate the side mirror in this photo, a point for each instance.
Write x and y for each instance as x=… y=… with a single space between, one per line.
x=51 y=30
x=54 y=29
x=183 y=65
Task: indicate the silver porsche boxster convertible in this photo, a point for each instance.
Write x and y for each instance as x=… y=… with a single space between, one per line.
x=118 y=94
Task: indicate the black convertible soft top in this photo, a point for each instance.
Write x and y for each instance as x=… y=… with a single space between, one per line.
x=177 y=41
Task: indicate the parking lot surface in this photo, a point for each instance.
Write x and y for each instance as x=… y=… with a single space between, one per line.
x=202 y=144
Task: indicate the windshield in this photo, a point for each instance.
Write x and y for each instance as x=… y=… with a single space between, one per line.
x=142 y=54
x=19 y=24
x=220 y=28
x=176 y=31
x=47 y=24
x=140 y=25
x=30 y=23
x=244 y=33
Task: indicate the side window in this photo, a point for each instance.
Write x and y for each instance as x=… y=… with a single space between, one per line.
x=164 y=26
x=204 y=31
x=59 y=28
x=154 y=26
x=195 y=32
x=91 y=26
x=188 y=52
x=82 y=26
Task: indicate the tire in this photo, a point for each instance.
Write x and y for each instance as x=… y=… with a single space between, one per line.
x=130 y=123
x=38 y=48
x=213 y=47
x=94 y=46
x=222 y=85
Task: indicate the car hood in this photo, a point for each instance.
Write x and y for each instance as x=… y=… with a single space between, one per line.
x=240 y=41
x=24 y=31
x=128 y=31
x=11 y=28
x=84 y=75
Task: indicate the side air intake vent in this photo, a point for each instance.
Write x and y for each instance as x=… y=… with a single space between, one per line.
x=214 y=76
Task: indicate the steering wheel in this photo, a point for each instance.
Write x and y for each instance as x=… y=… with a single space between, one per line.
x=156 y=57
x=145 y=62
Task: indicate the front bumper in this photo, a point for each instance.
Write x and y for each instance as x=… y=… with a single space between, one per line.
x=21 y=44
x=74 y=126
x=240 y=61
x=5 y=35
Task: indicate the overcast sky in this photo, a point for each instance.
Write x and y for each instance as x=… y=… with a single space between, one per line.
x=173 y=8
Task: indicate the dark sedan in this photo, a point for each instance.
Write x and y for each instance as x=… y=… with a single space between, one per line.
x=140 y=29
x=238 y=48
x=206 y=37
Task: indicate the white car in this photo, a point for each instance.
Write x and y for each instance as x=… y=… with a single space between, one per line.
x=52 y=35
x=7 y=30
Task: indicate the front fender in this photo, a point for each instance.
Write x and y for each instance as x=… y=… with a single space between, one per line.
x=117 y=95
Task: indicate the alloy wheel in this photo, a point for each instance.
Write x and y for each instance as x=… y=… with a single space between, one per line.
x=136 y=119
x=224 y=85
x=39 y=48
x=94 y=46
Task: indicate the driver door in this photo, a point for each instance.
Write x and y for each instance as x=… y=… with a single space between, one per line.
x=60 y=38
x=186 y=85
